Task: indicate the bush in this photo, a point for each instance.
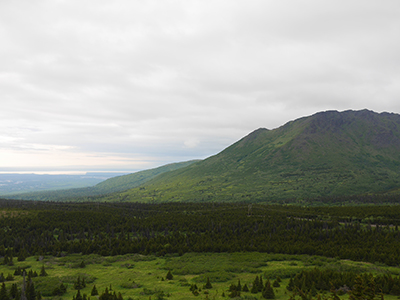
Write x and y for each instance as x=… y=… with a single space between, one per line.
x=214 y=277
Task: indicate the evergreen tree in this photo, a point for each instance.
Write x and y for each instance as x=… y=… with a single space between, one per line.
x=239 y=286
x=260 y=284
x=78 y=295
x=43 y=271
x=193 y=287
x=268 y=291
x=234 y=294
x=94 y=291
x=254 y=288
x=82 y=265
x=13 y=291
x=59 y=290
x=63 y=288
x=290 y=286
x=357 y=293
x=276 y=283
x=22 y=255
x=3 y=292
x=245 y=288
x=169 y=275
x=18 y=271
x=79 y=284
x=208 y=284
x=30 y=290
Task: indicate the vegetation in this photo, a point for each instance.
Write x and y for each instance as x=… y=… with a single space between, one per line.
x=118 y=251
x=360 y=233
x=111 y=185
x=139 y=277
x=329 y=154
x=163 y=246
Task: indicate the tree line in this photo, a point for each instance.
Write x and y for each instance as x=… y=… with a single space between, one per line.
x=360 y=233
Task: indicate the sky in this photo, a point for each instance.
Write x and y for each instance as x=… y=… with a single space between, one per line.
x=129 y=85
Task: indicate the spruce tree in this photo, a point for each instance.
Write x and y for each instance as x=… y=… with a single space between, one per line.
x=18 y=271
x=268 y=291
x=254 y=288
x=3 y=292
x=169 y=275
x=290 y=285
x=208 y=284
x=63 y=288
x=30 y=290
x=94 y=291
x=78 y=295
x=14 y=290
x=276 y=284
x=260 y=284
x=245 y=288
x=43 y=272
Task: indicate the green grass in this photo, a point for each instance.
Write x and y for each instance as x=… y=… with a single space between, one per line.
x=138 y=277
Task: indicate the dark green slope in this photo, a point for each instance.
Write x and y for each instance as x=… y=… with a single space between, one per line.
x=327 y=154
x=111 y=185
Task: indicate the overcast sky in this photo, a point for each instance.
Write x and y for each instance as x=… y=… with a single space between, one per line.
x=128 y=85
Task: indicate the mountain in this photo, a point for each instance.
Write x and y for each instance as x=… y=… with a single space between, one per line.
x=111 y=185
x=327 y=154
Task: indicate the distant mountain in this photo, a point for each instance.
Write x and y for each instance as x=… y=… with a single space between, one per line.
x=327 y=154
x=111 y=185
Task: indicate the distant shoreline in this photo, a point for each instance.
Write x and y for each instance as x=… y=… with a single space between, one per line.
x=66 y=172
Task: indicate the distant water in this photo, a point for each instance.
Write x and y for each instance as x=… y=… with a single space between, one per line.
x=34 y=181
x=69 y=172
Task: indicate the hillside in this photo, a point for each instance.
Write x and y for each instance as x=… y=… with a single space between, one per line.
x=327 y=154
x=111 y=185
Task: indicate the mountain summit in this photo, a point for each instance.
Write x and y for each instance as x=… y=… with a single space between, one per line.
x=327 y=154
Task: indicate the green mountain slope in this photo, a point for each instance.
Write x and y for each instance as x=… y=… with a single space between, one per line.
x=111 y=185
x=327 y=154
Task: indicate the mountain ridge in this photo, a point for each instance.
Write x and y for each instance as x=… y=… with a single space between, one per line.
x=326 y=154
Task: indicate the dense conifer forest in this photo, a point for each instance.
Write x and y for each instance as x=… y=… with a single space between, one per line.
x=361 y=233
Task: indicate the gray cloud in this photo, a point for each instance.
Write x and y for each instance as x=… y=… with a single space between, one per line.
x=138 y=84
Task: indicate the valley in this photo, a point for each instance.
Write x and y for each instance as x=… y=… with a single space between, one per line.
x=309 y=210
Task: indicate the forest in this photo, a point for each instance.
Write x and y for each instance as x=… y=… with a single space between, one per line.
x=361 y=233
x=366 y=234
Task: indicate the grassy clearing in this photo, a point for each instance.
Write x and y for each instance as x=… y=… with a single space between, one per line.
x=142 y=277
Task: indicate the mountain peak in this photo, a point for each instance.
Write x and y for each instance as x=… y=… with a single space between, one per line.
x=330 y=153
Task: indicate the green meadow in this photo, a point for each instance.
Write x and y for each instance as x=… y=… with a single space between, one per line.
x=144 y=277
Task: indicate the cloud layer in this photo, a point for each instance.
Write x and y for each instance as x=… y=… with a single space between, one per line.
x=136 y=84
